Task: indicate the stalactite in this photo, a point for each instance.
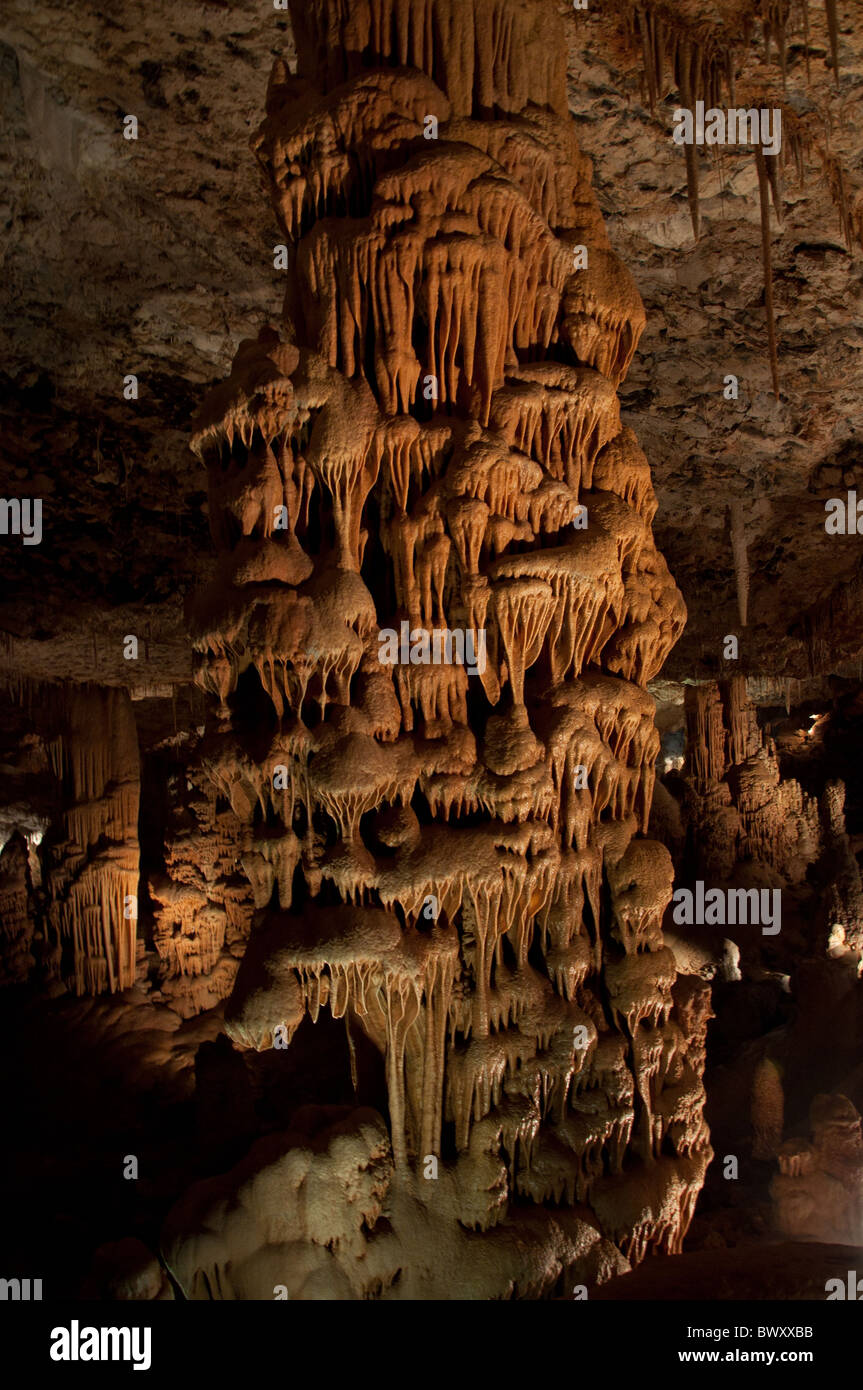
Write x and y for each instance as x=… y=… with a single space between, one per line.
x=691 y=154
x=805 y=12
x=766 y=257
x=833 y=31
x=739 y=550
x=837 y=184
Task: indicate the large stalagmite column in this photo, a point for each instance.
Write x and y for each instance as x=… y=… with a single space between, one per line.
x=436 y=559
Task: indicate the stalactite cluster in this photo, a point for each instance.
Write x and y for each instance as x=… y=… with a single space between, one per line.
x=16 y=918
x=92 y=880
x=697 y=53
x=742 y=808
x=831 y=624
x=83 y=772
x=451 y=859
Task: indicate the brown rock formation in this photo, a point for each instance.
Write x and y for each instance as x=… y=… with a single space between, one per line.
x=79 y=765
x=740 y=808
x=844 y=907
x=436 y=561
x=16 y=921
x=203 y=901
x=818 y=1192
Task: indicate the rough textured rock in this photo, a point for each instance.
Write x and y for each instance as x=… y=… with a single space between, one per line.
x=818 y=1192
x=302 y=1218
x=126 y=1271
x=743 y=810
x=465 y=834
